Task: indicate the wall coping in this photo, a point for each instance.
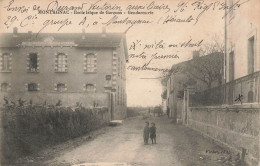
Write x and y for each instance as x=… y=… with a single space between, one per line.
x=250 y=106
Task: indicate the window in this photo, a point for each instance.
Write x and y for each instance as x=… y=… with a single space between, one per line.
x=251 y=43
x=4 y=87
x=33 y=65
x=90 y=87
x=6 y=62
x=231 y=66
x=61 y=63
x=90 y=63
x=33 y=87
x=60 y=87
x=250 y=97
x=108 y=79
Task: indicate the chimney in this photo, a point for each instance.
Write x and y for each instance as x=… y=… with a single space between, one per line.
x=195 y=54
x=15 y=31
x=30 y=32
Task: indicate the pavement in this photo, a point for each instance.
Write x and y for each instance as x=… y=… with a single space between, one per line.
x=123 y=145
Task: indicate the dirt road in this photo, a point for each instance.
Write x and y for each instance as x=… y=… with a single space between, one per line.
x=176 y=146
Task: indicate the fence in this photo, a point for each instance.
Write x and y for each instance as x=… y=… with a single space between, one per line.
x=243 y=90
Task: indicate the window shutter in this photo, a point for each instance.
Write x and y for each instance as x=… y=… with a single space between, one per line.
x=38 y=87
x=84 y=87
x=26 y=86
x=10 y=61
x=55 y=87
x=95 y=68
x=95 y=87
x=56 y=62
x=95 y=59
x=66 y=87
x=28 y=62
x=38 y=62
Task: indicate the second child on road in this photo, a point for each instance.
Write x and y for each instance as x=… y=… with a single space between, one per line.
x=146 y=133
x=153 y=133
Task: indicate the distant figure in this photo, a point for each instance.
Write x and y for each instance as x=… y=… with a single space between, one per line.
x=153 y=133
x=146 y=132
x=168 y=111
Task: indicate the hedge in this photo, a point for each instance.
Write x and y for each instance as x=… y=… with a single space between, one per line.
x=26 y=130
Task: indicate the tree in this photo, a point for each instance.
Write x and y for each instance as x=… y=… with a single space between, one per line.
x=207 y=69
x=164 y=94
x=216 y=44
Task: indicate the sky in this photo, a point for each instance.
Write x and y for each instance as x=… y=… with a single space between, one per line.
x=140 y=92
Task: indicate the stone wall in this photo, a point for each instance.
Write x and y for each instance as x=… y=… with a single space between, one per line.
x=235 y=127
x=67 y=99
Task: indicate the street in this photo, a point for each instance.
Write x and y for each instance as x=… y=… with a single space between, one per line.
x=176 y=145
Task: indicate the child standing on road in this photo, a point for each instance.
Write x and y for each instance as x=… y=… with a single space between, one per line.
x=146 y=133
x=153 y=133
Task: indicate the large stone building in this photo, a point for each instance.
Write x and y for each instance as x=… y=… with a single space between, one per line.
x=88 y=68
x=243 y=53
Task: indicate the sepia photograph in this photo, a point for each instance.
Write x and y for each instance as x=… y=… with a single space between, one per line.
x=129 y=83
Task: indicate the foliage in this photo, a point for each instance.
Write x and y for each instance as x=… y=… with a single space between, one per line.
x=207 y=69
x=29 y=129
x=164 y=94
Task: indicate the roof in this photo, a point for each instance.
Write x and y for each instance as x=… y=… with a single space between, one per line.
x=211 y=55
x=181 y=64
x=86 y=40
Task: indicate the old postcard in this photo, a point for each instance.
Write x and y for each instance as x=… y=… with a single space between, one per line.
x=130 y=83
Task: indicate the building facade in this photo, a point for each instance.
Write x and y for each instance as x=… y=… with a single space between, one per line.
x=86 y=68
x=243 y=53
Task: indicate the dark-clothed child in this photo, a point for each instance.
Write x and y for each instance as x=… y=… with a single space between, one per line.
x=146 y=133
x=153 y=133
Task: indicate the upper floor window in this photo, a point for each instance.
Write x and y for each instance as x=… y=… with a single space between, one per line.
x=251 y=55
x=231 y=66
x=61 y=63
x=33 y=87
x=6 y=62
x=4 y=87
x=90 y=63
x=33 y=62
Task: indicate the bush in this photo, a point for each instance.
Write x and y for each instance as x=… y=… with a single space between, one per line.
x=27 y=130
